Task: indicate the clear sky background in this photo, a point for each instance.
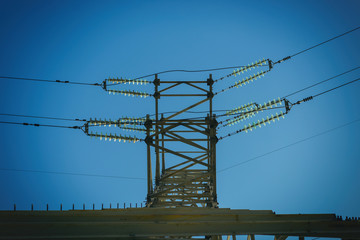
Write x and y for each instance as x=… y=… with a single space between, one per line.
x=87 y=41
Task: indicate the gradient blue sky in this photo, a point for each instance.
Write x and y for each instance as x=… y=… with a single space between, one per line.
x=87 y=41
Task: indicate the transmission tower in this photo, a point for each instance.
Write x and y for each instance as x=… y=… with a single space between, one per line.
x=185 y=148
x=181 y=201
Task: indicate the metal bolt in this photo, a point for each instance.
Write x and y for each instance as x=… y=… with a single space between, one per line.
x=60 y=207
x=32 y=207
x=73 y=206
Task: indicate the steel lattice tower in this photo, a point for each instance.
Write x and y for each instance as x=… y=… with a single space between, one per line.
x=181 y=199
x=190 y=179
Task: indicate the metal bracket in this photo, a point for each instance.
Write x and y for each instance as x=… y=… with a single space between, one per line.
x=156 y=81
x=156 y=95
x=148 y=123
x=148 y=140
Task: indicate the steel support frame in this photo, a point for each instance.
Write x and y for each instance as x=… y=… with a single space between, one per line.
x=191 y=181
x=141 y=223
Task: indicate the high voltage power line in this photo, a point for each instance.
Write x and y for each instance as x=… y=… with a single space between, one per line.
x=222 y=170
x=192 y=112
x=296 y=92
x=100 y=84
x=288 y=105
x=49 y=81
x=69 y=173
x=321 y=82
x=225 y=169
x=270 y=64
x=332 y=89
x=40 y=125
x=329 y=40
x=51 y=118
x=289 y=145
x=130 y=121
x=186 y=71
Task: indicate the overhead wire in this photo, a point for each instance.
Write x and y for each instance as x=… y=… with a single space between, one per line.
x=329 y=40
x=42 y=117
x=317 y=45
x=299 y=102
x=40 y=125
x=168 y=71
x=194 y=118
x=289 y=145
x=321 y=82
x=49 y=81
x=324 y=92
x=332 y=89
x=182 y=70
x=68 y=173
x=84 y=120
x=313 y=85
x=282 y=97
x=271 y=63
x=99 y=84
x=222 y=170
x=178 y=70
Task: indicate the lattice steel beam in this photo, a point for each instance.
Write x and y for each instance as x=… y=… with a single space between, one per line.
x=138 y=223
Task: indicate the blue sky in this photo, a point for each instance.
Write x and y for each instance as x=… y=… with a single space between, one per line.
x=87 y=41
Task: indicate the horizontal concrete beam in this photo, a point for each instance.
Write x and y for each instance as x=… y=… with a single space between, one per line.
x=146 y=222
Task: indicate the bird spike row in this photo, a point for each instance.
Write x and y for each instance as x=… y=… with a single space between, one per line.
x=114 y=137
x=121 y=121
x=250 y=111
x=249 y=67
x=268 y=120
x=250 y=78
x=127 y=81
x=129 y=93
